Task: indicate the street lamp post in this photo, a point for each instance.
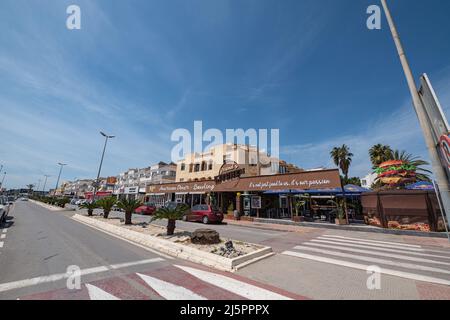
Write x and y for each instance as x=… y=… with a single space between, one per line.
x=59 y=176
x=438 y=170
x=45 y=183
x=3 y=180
x=97 y=182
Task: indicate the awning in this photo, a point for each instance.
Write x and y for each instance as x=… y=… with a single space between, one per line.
x=421 y=185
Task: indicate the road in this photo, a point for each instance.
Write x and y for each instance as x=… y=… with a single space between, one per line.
x=38 y=245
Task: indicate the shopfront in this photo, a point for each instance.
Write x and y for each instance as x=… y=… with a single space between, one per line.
x=261 y=196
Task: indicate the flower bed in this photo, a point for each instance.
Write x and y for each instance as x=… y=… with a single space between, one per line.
x=184 y=237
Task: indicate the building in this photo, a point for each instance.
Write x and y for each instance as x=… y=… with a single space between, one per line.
x=84 y=188
x=133 y=182
x=207 y=165
x=369 y=180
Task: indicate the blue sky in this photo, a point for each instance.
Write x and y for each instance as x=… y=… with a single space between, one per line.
x=140 y=69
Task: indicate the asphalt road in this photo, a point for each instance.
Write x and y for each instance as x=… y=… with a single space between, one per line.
x=40 y=242
x=38 y=245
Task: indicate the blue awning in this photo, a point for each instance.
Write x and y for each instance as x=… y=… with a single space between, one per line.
x=421 y=185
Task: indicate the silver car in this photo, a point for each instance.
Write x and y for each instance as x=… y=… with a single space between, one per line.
x=4 y=208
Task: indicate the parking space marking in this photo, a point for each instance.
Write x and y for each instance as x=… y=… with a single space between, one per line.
x=3 y=236
x=5 y=230
x=1 y=244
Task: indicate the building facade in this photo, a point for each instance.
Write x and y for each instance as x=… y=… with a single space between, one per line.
x=207 y=165
x=133 y=182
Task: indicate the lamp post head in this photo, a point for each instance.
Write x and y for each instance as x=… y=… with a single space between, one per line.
x=106 y=136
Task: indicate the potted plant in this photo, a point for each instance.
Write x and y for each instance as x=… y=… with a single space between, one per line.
x=341 y=217
x=298 y=206
x=107 y=204
x=172 y=215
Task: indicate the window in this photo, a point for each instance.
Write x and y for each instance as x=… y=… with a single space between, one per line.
x=183 y=167
x=181 y=180
x=204 y=166
x=210 y=166
x=197 y=167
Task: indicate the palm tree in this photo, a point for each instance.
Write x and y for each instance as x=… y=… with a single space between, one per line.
x=90 y=206
x=107 y=204
x=129 y=206
x=342 y=157
x=172 y=215
x=30 y=188
x=421 y=173
x=380 y=153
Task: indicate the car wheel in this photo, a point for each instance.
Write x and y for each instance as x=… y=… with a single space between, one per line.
x=205 y=220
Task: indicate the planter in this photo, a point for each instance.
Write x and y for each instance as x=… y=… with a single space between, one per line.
x=245 y=218
x=298 y=219
x=341 y=222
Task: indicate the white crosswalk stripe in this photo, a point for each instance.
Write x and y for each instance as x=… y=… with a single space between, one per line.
x=170 y=291
x=96 y=293
x=376 y=253
x=240 y=288
x=380 y=249
x=396 y=259
x=374 y=241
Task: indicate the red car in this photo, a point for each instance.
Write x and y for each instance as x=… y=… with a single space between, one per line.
x=147 y=209
x=204 y=213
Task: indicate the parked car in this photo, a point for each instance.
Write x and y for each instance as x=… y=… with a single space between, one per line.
x=80 y=202
x=4 y=208
x=204 y=213
x=24 y=199
x=147 y=209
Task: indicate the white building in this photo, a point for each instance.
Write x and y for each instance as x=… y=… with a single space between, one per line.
x=369 y=180
x=133 y=182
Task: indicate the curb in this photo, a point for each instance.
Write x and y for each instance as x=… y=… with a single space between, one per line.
x=47 y=206
x=347 y=228
x=178 y=250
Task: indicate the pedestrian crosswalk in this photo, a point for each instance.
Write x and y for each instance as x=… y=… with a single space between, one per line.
x=403 y=260
x=174 y=282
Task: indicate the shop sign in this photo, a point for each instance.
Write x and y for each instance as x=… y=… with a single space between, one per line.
x=187 y=187
x=132 y=190
x=325 y=179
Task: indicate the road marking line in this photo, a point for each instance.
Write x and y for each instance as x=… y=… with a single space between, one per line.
x=169 y=291
x=1 y=244
x=376 y=253
x=364 y=267
x=61 y=276
x=126 y=240
x=3 y=236
x=99 y=294
x=240 y=288
x=399 y=245
x=374 y=260
x=5 y=230
x=375 y=241
x=337 y=241
x=380 y=249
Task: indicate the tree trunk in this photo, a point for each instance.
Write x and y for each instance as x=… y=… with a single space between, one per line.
x=90 y=211
x=105 y=214
x=128 y=218
x=171 y=227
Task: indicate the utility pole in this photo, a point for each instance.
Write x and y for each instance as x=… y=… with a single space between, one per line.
x=97 y=182
x=438 y=170
x=59 y=176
